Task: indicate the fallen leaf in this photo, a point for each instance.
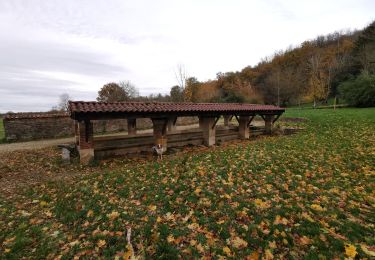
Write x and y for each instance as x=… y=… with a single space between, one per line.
x=238 y=242
x=268 y=255
x=113 y=215
x=101 y=243
x=253 y=256
x=350 y=250
x=152 y=207
x=317 y=207
x=227 y=251
x=368 y=250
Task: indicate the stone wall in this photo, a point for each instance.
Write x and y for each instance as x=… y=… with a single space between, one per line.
x=33 y=126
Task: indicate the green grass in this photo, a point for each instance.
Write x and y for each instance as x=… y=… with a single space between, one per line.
x=2 y=132
x=329 y=104
x=301 y=196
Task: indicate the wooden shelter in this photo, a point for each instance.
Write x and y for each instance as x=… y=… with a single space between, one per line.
x=164 y=116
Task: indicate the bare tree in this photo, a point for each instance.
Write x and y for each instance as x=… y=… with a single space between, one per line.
x=63 y=104
x=129 y=88
x=181 y=76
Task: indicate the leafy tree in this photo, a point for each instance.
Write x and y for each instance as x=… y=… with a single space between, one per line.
x=191 y=88
x=177 y=94
x=359 y=92
x=113 y=92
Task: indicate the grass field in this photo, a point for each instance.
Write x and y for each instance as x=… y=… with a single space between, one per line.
x=309 y=195
x=2 y=133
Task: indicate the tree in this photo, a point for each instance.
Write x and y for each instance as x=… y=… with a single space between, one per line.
x=177 y=94
x=129 y=88
x=190 y=91
x=181 y=76
x=113 y=92
x=364 y=50
x=63 y=104
x=359 y=92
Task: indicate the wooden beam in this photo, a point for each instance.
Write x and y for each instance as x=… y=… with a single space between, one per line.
x=216 y=120
x=277 y=117
x=251 y=119
x=238 y=120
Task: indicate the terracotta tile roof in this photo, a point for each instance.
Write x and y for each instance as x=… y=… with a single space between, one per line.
x=163 y=107
x=30 y=115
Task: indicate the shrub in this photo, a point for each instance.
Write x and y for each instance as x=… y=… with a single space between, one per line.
x=360 y=91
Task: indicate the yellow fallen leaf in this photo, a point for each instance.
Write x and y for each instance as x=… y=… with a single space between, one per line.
x=170 y=239
x=193 y=242
x=43 y=203
x=305 y=240
x=261 y=204
x=253 y=256
x=368 y=250
x=308 y=217
x=272 y=245
x=280 y=221
x=268 y=255
x=90 y=213
x=101 y=243
x=227 y=251
x=350 y=250
x=152 y=207
x=197 y=191
x=113 y=215
x=238 y=242
x=200 y=248
x=317 y=207
x=129 y=253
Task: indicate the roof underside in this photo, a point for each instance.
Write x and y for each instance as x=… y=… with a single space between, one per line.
x=99 y=110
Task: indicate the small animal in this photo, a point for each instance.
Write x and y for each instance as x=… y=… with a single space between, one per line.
x=159 y=150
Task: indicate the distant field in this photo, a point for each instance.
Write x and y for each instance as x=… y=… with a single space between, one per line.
x=2 y=133
x=305 y=196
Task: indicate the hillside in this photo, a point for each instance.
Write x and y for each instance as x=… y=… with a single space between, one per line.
x=310 y=72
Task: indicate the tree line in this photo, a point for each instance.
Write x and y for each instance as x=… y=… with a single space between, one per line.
x=340 y=65
x=323 y=68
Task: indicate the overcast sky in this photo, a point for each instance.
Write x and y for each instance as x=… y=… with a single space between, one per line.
x=50 y=47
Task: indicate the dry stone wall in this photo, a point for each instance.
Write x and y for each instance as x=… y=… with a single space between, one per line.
x=34 y=126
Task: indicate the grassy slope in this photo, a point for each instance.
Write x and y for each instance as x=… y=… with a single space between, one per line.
x=306 y=195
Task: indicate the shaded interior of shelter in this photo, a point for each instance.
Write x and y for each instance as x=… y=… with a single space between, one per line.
x=141 y=143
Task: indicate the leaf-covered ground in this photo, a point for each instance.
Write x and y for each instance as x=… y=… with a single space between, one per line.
x=309 y=195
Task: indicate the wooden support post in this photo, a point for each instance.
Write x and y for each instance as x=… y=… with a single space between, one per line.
x=208 y=127
x=268 y=119
x=76 y=132
x=160 y=131
x=243 y=127
x=172 y=124
x=86 y=142
x=132 y=126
